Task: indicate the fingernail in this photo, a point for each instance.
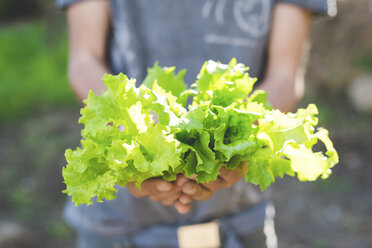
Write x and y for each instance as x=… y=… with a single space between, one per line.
x=193 y=177
x=182 y=209
x=164 y=187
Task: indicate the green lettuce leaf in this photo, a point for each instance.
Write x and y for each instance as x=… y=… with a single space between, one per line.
x=134 y=133
x=166 y=78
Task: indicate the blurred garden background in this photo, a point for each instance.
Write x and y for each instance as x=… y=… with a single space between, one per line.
x=38 y=121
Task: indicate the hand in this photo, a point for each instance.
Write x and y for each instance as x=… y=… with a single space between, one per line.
x=194 y=191
x=181 y=192
x=158 y=189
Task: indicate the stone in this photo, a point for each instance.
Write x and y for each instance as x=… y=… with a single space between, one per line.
x=10 y=230
x=360 y=93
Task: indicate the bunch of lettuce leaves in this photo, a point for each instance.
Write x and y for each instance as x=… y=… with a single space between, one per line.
x=135 y=133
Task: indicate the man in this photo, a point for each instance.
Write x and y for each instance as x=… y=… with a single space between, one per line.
x=129 y=36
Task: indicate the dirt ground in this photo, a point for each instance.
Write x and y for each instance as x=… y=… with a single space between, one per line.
x=336 y=212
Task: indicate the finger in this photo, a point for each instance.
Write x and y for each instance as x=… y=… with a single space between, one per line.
x=230 y=176
x=135 y=191
x=182 y=208
x=150 y=187
x=154 y=198
x=157 y=184
x=196 y=191
x=170 y=200
x=217 y=184
x=181 y=180
x=163 y=196
x=184 y=199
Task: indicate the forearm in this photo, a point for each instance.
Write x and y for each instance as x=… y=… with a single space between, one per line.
x=88 y=23
x=284 y=91
x=85 y=74
x=284 y=79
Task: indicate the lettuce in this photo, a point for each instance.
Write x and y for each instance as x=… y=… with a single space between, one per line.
x=135 y=133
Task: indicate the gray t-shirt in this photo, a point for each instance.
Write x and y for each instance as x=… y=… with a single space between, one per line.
x=183 y=34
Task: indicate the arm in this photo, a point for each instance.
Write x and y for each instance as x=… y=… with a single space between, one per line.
x=88 y=24
x=284 y=79
x=284 y=82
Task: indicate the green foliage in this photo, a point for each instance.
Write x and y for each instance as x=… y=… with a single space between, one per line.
x=58 y=229
x=224 y=126
x=363 y=62
x=30 y=154
x=32 y=72
x=166 y=78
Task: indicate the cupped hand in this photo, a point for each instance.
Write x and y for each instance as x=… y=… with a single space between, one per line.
x=204 y=191
x=183 y=190
x=163 y=191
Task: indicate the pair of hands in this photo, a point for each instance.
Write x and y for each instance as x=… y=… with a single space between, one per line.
x=181 y=192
